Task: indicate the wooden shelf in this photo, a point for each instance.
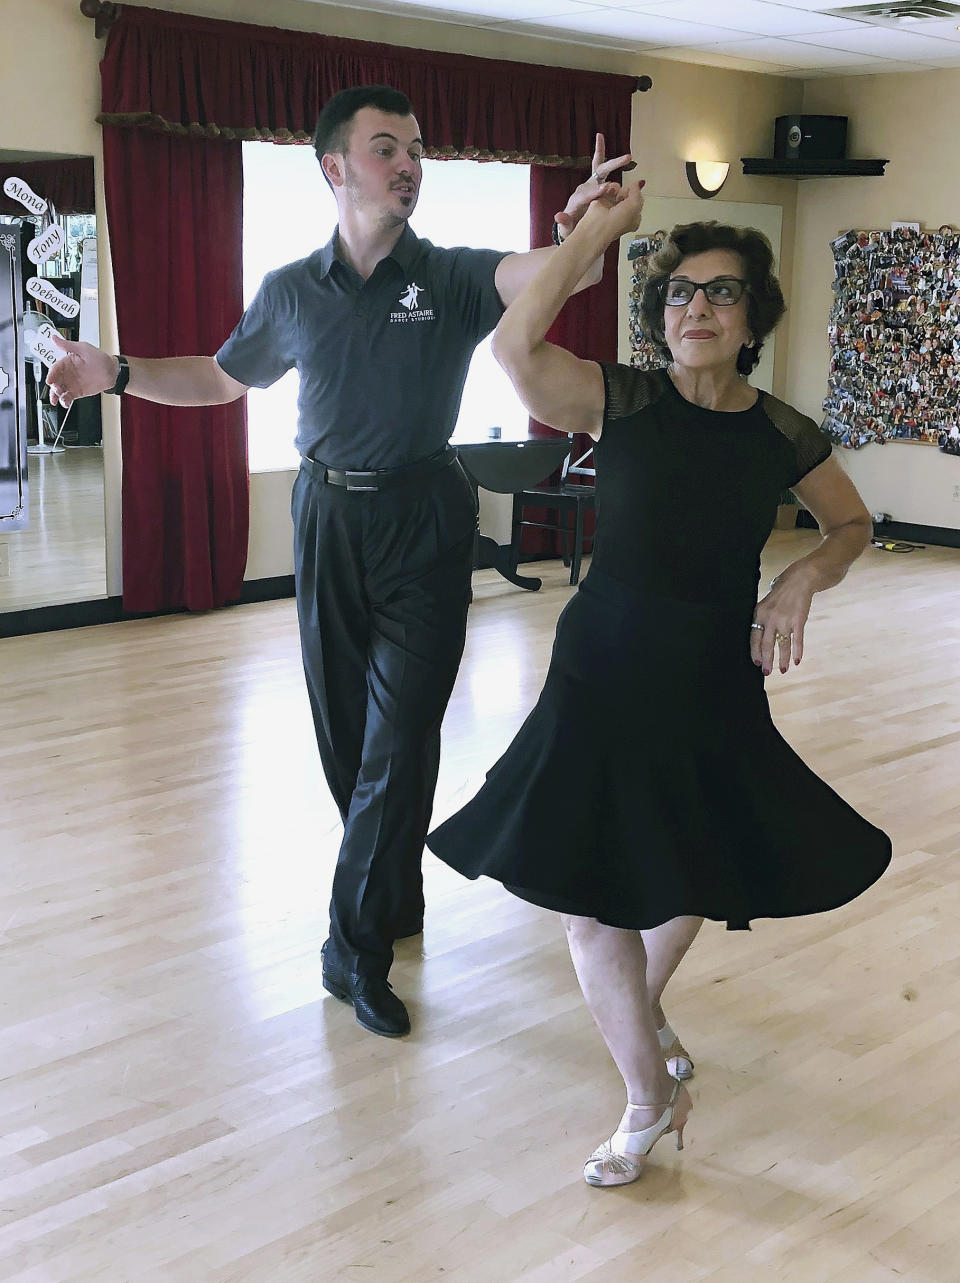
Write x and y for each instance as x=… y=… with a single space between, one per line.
x=764 y=165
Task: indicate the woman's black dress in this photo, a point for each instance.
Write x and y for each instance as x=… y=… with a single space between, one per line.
x=649 y=780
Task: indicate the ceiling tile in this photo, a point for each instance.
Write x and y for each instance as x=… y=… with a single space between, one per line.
x=885 y=68
x=883 y=42
x=814 y=6
x=474 y=11
x=648 y=28
x=789 y=53
x=778 y=37
x=709 y=58
x=590 y=40
x=940 y=30
x=755 y=16
x=525 y=10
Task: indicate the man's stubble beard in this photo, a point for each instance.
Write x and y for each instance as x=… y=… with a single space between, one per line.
x=389 y=220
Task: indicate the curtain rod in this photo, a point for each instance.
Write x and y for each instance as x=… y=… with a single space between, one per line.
x=105 y=15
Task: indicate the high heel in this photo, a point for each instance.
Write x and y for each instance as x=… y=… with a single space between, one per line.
x=679 y=1064
x=619 y=1160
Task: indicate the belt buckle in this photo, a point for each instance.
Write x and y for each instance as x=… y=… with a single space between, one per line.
x=354 y=484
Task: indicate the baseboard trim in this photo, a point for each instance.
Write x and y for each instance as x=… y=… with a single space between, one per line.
x=272 y=589
x=907 y=531
x=109 y=610
x=51 y=619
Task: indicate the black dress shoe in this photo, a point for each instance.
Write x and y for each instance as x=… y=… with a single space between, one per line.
x=375 y=1005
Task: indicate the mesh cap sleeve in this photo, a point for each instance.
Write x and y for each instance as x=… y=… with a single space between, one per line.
x=627 y=391
x=810 y=446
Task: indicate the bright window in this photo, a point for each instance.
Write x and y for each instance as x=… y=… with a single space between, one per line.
x=288 y=212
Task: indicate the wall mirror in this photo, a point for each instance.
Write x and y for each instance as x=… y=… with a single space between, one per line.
x=52 y=535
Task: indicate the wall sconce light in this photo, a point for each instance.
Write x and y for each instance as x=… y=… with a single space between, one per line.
x=706 y=177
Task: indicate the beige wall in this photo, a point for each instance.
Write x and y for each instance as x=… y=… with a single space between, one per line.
x=707 y=113
x=691 y=110
x=911 y=120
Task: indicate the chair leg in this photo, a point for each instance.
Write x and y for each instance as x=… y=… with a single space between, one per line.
x=564 y=532
x=577 y=545
x=516 y=532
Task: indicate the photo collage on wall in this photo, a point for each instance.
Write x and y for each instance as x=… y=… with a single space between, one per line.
x=894 y=339
x=643 y=356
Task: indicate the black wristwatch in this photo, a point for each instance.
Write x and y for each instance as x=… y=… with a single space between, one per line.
x=123 y=376
x=557 y=238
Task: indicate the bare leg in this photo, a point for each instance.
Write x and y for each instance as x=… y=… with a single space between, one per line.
x=665 y=947
x=611 y=966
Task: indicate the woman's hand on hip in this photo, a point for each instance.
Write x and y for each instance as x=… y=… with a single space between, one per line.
x=776 y=635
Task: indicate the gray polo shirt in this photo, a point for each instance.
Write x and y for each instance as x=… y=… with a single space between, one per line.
x=382 y=362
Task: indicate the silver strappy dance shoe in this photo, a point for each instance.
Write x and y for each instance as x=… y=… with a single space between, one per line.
x=679 y=1064
x=619 y=1160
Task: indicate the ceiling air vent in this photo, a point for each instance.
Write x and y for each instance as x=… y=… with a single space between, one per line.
x=895 y=13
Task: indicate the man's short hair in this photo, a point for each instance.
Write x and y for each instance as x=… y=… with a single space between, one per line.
x=333 y=124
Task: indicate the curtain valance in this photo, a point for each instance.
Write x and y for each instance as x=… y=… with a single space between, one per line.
x=205 y=78
x=66 y=182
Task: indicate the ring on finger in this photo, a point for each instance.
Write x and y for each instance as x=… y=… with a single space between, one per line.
x=596 y=177
x=783 y=637
x=759 y=627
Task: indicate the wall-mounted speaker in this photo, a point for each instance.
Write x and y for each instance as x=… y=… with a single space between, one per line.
x=810 y=138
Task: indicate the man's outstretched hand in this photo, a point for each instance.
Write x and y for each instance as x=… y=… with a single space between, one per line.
x=83 y=370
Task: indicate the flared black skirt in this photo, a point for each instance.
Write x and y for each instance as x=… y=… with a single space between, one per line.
x=649 y=781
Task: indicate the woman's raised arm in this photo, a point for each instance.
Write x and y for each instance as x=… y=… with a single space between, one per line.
x=557 y=387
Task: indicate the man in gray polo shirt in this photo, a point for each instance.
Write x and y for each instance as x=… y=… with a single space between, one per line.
x=381 y=326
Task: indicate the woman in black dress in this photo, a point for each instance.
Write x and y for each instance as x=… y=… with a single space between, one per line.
x=689 y=804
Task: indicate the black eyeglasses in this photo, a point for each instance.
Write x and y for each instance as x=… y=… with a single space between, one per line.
x=722 y=291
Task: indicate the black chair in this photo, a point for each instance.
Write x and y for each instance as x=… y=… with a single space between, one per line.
x=569 y=496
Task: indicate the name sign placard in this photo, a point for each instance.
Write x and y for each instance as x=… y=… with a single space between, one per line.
x=45 y=246
x=43 y=290
x=28 y=198
x=43 y=345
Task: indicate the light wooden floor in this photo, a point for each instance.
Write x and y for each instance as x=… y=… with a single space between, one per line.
x=61 y=556
x=180 y=1101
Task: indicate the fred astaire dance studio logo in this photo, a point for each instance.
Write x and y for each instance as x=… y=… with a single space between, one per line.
x=413 y=311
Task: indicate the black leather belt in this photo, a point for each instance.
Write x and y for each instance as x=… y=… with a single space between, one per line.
x=381 y=478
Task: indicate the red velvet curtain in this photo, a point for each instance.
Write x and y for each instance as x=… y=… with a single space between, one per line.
x=175 y=212
x=178 y=94
x=210 y=79
x=587 y=324
x=66 y=183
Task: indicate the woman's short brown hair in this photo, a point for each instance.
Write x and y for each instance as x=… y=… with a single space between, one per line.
x=765 y=305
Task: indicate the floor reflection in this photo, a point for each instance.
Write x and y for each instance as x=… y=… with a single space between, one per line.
x=61 y=557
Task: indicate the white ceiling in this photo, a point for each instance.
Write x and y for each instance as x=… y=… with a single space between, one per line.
x=785 y=37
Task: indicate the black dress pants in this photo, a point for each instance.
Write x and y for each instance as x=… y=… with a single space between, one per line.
x=383 y=586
